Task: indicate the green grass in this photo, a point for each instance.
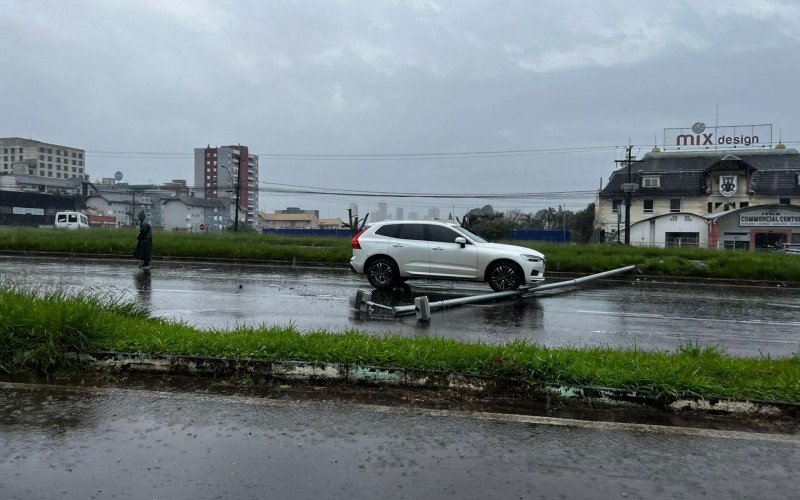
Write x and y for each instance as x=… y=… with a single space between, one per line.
x=37 y=329
x=241 y=246
x=680 y=262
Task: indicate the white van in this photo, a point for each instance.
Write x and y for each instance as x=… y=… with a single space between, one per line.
x=72 y=220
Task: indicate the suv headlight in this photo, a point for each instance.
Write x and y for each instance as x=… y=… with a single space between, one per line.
x=532 y=258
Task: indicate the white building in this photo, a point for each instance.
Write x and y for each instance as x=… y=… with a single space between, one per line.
x=674 y=190
x=189 y=213
x=120 y=204
x=30 y=157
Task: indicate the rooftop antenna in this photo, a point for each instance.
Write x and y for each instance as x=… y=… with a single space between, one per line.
x=716 y=125
x=655 y=144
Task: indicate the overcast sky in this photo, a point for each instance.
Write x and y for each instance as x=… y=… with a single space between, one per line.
x=392 y=78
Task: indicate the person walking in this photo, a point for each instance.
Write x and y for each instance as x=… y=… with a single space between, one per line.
x=144 y=245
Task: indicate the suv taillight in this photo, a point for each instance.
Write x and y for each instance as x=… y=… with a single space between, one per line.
x=356 y=244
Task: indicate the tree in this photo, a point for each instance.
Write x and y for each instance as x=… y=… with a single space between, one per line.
x=488 y=223
x=354 y=224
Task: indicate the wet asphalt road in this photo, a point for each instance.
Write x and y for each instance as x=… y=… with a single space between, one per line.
x=121 y=443
x=743 y=321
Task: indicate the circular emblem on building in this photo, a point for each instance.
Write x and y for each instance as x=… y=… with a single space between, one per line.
x=118 y=176
x=698 y=127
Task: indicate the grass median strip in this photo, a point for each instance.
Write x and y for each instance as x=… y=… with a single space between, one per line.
x=37 y=329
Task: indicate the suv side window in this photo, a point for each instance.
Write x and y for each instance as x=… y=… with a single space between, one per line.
x=442 y=234
x=389 y=230
x=411 y=232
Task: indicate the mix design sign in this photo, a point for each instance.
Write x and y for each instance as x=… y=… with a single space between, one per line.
x=700 y=136
x=773 y=218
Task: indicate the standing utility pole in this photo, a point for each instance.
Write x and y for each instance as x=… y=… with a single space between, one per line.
x=237 y=187
x=628 y=188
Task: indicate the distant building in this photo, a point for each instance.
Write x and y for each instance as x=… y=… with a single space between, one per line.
x=733 y=198
x=398 y=213
x=382 y=213
x=298 y=210
x=433 y=214
x=354 y=209
x=217 y=171
x=413 y=216
x=306 y=219
x=47 y=185
x=193 y=214
x=122 y=205
x=30 y=157
x=125 y=201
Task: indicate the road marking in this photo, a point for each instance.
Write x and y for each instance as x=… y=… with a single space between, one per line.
x=793 y=439
x=661 y=316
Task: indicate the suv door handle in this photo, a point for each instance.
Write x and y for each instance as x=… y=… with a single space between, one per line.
x=397 y=245
x=437 y=248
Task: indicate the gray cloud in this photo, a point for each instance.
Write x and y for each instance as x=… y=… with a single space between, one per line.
x=373 y=77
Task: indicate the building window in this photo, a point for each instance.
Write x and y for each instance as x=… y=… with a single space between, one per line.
x=74 y=162
x=80 y=163
x=49 y=151
x=50 y=165
x=41 y=149
x=648 y=206
x=675 y=205
x=709 y=207
x=784 y=201
x=615 y=206
x=41 y=157
x=49 y=158
x=744 y=204
x=651 y=182
x=80 y=155
x=49 y=174
x=58 y=160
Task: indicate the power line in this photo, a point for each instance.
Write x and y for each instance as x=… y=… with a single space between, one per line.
x=378 y=156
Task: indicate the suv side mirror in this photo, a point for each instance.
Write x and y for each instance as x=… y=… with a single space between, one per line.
x=461 y=241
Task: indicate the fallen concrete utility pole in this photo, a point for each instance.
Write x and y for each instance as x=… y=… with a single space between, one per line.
x=422 y=307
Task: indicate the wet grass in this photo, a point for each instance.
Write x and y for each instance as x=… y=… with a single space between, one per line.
x=680 y=262
x=37 y=329
x=121 y=242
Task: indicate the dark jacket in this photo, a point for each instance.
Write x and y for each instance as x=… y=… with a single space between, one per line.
x=144 y=246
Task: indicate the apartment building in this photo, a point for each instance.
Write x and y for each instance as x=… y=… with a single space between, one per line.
x=30 y=157
x=217 y=172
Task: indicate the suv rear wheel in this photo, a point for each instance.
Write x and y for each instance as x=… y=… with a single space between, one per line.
x=504 y=276
x=382 y=273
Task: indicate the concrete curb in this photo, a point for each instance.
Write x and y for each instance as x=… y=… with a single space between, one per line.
x=334 y=373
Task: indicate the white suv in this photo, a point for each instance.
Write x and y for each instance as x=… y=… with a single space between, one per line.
x=389 y=253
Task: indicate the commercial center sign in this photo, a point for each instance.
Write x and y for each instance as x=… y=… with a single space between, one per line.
x=701 y=136
x=770 y=218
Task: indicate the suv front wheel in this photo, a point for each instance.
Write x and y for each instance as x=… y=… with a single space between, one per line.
x=504 y=276
x=382 y=273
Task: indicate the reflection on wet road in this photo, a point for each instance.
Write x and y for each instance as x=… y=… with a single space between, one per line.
x=743 y=321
